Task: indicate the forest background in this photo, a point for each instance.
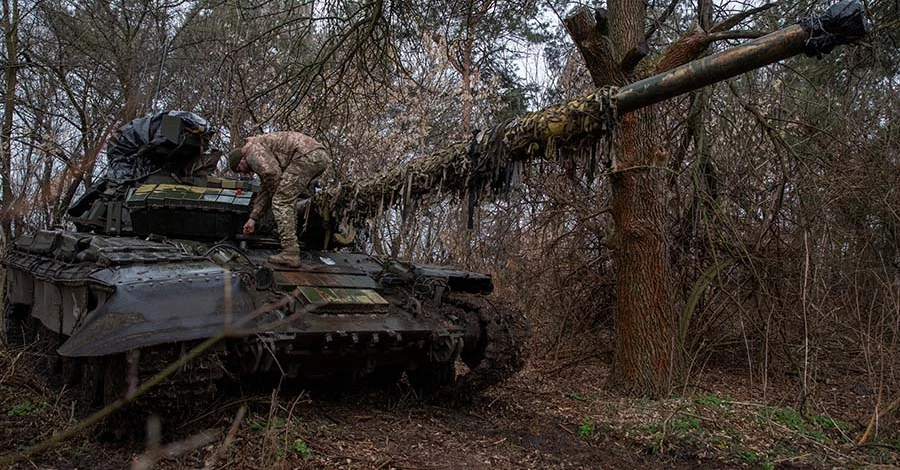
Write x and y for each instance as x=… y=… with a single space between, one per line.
x=779 y=189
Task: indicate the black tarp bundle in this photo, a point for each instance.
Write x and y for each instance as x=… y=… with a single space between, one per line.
x=843 y=22
x=131 y=150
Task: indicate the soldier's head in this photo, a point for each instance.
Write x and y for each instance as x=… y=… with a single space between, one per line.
x=237 y=162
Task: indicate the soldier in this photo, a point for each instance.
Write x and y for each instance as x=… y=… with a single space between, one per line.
x=286 y=162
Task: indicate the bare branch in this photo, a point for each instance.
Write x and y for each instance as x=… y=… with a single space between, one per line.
x=733 y=21
x=662 y=19
x=634 y=57
x=601 y=15
x=695 y=42
x=594 y=47
x=229 y=439
x=704 y=14
x=685 y=49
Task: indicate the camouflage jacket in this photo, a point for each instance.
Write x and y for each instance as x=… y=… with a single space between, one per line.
x=268 y=155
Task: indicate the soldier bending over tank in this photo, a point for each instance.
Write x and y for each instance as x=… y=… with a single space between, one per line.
x=286 y=162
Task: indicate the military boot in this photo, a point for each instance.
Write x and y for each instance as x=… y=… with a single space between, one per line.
x=289 y=256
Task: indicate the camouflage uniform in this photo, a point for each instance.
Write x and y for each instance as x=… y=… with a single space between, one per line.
x=286 y=162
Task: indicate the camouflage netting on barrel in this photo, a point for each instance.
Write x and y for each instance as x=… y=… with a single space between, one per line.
x=492 y=161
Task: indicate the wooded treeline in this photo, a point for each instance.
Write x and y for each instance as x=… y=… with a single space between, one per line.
x=776 y=192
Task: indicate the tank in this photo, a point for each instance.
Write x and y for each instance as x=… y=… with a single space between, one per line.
x=156 y=273
x=156 y=266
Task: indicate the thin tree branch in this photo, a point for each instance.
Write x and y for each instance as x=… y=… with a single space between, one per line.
x=733 y=21
x=634 y=57
x=654 y=27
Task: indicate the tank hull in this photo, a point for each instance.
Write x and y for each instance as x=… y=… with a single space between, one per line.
x=106 y=295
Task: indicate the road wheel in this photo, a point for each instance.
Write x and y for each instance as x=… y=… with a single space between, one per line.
x=92 y=382
x=105 y=380
x=500 y=352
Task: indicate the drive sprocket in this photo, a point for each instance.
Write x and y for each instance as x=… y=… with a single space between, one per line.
x=501 y=351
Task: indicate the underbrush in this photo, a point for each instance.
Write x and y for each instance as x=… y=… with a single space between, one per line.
x=549 y=416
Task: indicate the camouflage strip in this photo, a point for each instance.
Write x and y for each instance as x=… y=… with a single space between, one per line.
x=480 y=164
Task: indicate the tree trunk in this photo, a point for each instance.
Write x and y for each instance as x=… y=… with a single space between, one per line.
x=644 y=355
x=11 y=27
x=643 y=360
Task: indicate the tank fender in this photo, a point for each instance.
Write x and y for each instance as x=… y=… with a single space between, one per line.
x=160 y=303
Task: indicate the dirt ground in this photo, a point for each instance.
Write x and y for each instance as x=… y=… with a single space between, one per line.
x=547 y=416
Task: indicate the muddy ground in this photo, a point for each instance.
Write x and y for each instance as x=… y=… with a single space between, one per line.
x=548 y=416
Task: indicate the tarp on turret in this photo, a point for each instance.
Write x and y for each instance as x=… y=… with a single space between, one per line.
x=131 y=150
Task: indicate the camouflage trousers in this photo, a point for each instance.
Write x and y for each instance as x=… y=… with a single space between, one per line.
x=294 y=183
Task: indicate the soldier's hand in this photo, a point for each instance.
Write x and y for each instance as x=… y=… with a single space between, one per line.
x=249 y=227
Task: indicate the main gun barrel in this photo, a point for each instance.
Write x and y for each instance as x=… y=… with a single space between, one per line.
x=841 y=24
x=490 y=154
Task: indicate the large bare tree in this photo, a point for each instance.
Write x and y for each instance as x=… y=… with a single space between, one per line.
x=614 y=45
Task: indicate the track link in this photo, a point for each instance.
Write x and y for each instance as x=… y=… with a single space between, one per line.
x=502 y=349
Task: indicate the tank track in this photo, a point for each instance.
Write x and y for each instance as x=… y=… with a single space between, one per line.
x=94 y=382
x=98 y=381
x=502 y=349
x=105 y=379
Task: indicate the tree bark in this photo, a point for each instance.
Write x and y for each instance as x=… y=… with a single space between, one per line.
x=644 y=361
x=595 y=48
